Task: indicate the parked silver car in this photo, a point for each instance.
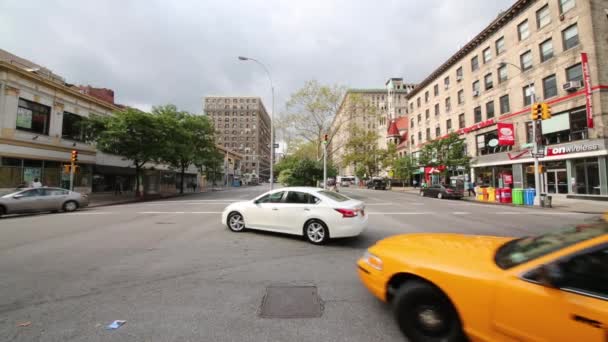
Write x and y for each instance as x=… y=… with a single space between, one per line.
x=41 y=199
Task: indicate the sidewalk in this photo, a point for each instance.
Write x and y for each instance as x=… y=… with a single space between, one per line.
x=559 y=203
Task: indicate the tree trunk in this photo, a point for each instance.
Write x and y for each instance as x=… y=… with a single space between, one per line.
x=181 y=182
x=137 y=174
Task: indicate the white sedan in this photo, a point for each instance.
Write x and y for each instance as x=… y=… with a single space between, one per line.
x=315 y=213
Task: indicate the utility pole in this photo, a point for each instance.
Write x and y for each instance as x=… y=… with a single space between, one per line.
x=535 y=147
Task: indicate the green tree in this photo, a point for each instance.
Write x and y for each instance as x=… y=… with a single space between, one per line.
x=210 y=164
x=310 y=112
x=190 y=137
x=362 y=150
x=404 y=168
x=360 y=171
x=448 y=152
x=131 y=133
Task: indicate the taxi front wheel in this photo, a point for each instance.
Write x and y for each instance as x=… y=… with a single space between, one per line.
x=424 y=313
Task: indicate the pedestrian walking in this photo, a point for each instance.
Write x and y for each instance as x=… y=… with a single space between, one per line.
x=36 y=183
x=118 y=186
x=415 y=183
x=193 y=186
x=472 y=188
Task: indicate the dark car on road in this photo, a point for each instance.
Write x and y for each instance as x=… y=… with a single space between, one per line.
x=376 y=184
x=442 y=191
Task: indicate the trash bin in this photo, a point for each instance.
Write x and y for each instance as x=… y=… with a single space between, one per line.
x=545 y=200
x=478 y=193
x=518 y=196
x=491 y=195
x=505 y=195
x=529 y=197
x=484 y=192
x=499 y=192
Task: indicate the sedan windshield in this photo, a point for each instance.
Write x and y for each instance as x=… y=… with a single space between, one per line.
x=519 y=251
x=334 y=196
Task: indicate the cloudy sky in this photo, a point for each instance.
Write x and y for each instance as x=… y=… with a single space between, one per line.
x=156 y=52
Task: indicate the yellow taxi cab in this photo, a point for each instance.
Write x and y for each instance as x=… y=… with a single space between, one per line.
x=450 y=287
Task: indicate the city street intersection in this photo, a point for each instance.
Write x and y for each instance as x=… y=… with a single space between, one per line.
x=174 y=273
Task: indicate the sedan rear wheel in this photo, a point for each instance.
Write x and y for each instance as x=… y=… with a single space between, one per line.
x=70 y=206
x=316 y=232
x=424 y=313
x=236 y=222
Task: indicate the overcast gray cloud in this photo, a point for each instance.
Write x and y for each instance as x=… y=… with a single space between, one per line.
x=157 y=52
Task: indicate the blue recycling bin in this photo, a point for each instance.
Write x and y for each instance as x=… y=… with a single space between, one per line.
x=529 y=196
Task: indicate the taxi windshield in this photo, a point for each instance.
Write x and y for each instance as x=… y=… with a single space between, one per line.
x=519 y=251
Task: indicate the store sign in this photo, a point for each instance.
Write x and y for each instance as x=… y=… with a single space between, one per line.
x=493 y=143
x=587 y=80
x=506 y=134
x=558 y=151
x=477 y=126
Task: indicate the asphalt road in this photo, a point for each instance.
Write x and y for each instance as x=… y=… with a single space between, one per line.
x=174 y=273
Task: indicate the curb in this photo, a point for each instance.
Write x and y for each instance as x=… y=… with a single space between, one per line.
x=514 y=206
x=136 y=200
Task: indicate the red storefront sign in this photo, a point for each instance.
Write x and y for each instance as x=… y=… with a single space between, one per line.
x=587 y=80
x=508 y=179
x=477 y=126
x=506 y=134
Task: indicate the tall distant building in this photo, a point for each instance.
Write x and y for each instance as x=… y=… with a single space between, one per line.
x=242 y=125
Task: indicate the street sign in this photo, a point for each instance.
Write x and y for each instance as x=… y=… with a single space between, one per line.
x=538 y=155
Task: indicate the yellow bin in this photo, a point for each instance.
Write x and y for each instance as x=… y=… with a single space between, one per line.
x=491 y=194
x=479 y=193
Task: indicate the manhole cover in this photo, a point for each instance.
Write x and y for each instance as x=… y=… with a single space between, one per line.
x=291 y=302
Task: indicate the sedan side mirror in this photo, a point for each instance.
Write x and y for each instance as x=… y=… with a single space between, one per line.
x=551 y=275
x=17 y=196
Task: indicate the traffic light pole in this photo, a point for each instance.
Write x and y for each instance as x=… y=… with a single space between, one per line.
x=535 y=150
x=72 y=167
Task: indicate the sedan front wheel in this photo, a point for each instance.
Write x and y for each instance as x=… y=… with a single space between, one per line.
x=236 y=222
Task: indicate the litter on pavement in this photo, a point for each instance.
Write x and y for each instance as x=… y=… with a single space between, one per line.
x=115 y=325
x=24 y=324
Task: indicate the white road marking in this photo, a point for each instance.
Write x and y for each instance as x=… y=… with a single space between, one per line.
x=398 y=213
x=90 y=213
x=461 y=213
x=370 y=204
x=177 y=212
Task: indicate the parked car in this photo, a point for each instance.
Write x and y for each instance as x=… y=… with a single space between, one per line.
x=442 y=191
x=345 y=183
x=315 y=213
x=552 y=287
x=376 y=184
x=40 y=200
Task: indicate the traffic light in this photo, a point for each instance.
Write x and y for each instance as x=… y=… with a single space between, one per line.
x=536 y=111
x=74 y=156
x=66 y=169
x=546 y=111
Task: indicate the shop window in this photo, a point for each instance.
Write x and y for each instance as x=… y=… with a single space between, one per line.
x=33 y=117
x=487 y=143
x=562 y=128
x=587 y=176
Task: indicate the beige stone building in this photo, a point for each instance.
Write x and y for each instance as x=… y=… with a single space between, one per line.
x=242 y=125
x=369 y=109
x=534 y=46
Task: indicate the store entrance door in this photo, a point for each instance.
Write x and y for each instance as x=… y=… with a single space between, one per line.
x=556 y=181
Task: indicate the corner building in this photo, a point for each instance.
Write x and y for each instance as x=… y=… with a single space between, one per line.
x=533 y=47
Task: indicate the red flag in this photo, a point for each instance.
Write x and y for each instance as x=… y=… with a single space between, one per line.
x=587 y=81
x=506 y=134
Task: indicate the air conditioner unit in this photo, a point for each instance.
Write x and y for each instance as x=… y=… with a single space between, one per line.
x=571 y=86
x=475 y=93
x=459 y=78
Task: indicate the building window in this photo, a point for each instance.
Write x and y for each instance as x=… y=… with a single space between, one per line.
x=412 y=123
x=523 y=30
x=566 y=5
x=448 y=125
x=419 y=118
x=490 y=110
x=437 y=131
x=587 y=176
x=437 y=109
x=526 y=60
x=543 y=17
x=570 y=37
x=427 y=114
x=426 y=96
x=489 y=83
x=500 y=45
x=477 y=114
x=419 y=136
x=487 y=55
x=418 y=102
x=412 y=139
x=436 y=90
x=475 y=88
x=460 y=96
x=461 y=121
x=549 y=87
x=459 y=74
x=527 y=92
x=33 y=117
x=502 y=74
x=574 y=73
x=448 y=104
x=73 y=127
x=504 y=104
x=428 y=134
x=474 y=63
x=546 y=50
x=446 y=82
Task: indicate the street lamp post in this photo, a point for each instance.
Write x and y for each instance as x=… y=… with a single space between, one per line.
x=534 y=140
x=241 y=58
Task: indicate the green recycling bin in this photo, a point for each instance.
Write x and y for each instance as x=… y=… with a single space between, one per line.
x=518 y=196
